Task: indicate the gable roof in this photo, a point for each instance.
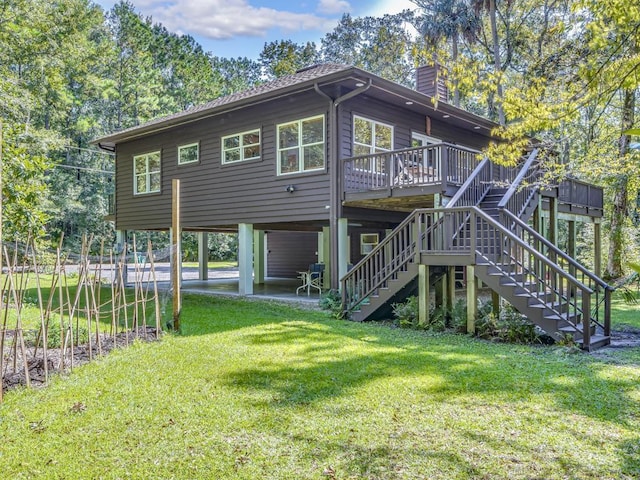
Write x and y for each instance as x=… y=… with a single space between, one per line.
x=302 y=79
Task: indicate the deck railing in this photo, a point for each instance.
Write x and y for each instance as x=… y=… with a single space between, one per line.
x=438 y=164
x=575 y=192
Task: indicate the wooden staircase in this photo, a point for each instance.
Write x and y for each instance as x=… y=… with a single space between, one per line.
x=485 y=225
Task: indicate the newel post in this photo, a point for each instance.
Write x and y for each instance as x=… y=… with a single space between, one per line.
x=444 y=166
x=586 y=320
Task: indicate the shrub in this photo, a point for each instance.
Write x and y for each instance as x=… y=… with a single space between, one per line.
x=332 y=301
x=510 y=327
x=406 y=313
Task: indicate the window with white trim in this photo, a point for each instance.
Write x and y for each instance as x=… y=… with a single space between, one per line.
x=370 y=136
x=188 y=153
x=368 y=241
x=146 y=173
x=240 y=147
x=301 y=145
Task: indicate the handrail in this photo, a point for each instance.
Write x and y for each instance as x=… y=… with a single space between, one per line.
x=473 y=179
x=539 y=256
x=410 y=149
x=558 y=252
x=515 y=185
x=346 y=306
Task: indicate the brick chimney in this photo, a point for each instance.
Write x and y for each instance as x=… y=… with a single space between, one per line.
x=430 y=80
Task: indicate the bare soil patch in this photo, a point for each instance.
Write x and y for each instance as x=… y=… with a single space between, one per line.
x=14 y=373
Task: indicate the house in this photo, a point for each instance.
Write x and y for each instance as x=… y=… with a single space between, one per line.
x=378 y=182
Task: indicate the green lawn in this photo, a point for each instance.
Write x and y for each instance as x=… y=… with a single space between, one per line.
x=625 y=314
x=257 y=390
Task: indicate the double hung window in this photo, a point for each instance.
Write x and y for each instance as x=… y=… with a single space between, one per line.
x=301 y=146
x=146 y=173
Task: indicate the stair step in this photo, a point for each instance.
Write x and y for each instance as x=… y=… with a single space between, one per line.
x=597 y=341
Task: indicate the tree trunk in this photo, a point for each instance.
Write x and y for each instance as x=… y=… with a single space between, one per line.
x=497 y=64
x=454 y=55
x=620 y=207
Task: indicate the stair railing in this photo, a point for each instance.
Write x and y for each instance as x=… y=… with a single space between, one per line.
x=601 y=288
x=479 y=235
x=523 y=188
x=476 y=186
x=390 y=257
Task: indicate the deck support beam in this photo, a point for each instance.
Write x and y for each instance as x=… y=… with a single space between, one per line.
x=325 y=254
x=258 y=257
x=245 y=258
x=472 y=299
x=451 y=289
x=203 y=256
x=343 y=247
x=121 y=244
x=597 y=249
x=495 y=303
x=423 y=295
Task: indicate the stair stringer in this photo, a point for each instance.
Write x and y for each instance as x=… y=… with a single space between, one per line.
x=548 y=317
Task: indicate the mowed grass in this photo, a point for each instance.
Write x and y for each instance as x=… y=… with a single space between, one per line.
x=258 y=390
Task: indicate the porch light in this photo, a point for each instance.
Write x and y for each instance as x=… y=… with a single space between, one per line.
x=359 y=84
x=477 y=127
x=290 y=188
x=408 y=102
x=446 y=116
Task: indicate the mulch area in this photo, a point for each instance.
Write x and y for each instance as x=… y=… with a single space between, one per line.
x=14 y=377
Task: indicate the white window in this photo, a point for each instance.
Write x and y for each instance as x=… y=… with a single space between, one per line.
x=370 y=137
x=146 y=173
x=241 y=146
x=188 y=153
x=422 y=140
x=368 y=241
x=301 y=145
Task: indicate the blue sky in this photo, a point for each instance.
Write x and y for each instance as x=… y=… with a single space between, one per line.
x=232 y=28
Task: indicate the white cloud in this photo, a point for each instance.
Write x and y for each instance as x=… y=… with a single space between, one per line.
x=334 y=6
x=224 y=19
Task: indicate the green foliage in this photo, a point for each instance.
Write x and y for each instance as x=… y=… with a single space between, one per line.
x=406 y=313
x=332 y=301
x=440 y=318
x=285 y=57
x=80 y=335
x=510 y=327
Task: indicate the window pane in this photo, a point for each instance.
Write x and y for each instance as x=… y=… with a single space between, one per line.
x=232 y=155
x=361 y=150
x=289 y=161
x=141 y=183
x=154 y=162
x=154 y=182
x=383 y=137
x=140 y=165
x=232 y=142
x=288 y=135
x=314 y=157
x=251 y=152
x=312 y=131
x=362 y=131
x=251 y=138
x=188 y=154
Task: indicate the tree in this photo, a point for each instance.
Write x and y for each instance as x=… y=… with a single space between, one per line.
x=448 y=21
x=384 y=46
x=284 y=57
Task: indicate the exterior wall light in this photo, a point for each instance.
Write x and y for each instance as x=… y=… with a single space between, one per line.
x=290 y=188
